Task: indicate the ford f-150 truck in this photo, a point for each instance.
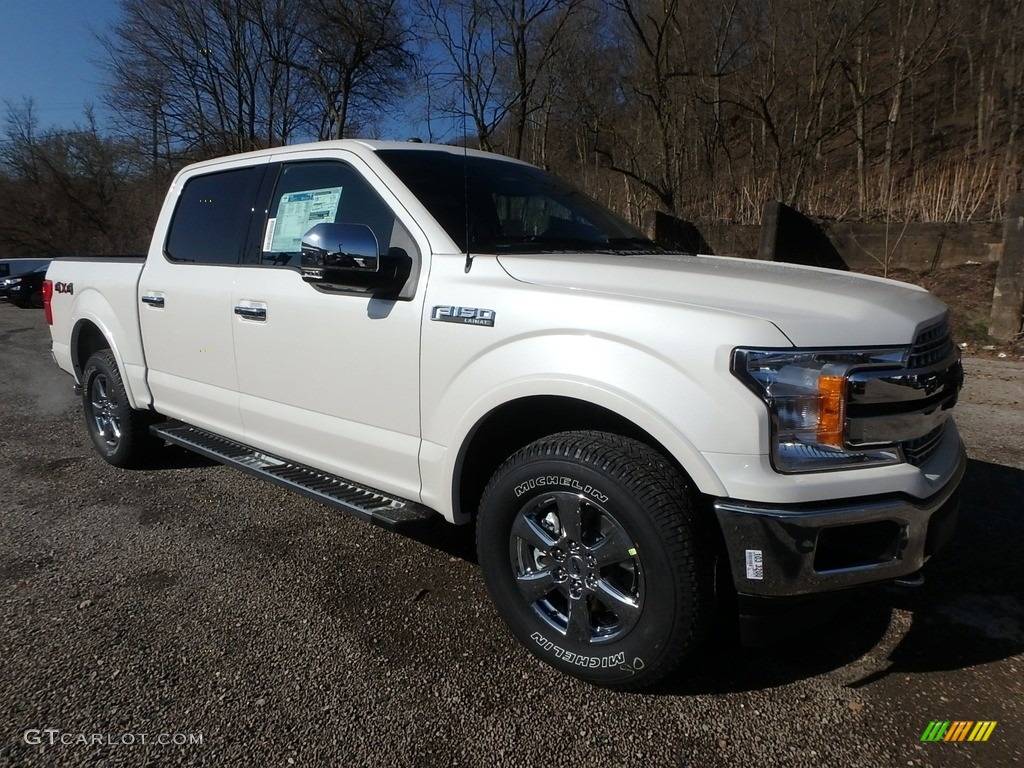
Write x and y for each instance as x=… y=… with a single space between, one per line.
x=641 y=437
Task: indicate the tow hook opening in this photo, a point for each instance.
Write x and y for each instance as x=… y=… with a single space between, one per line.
x=858 y=545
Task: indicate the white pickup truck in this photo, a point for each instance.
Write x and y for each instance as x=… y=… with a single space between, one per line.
x=641 y=437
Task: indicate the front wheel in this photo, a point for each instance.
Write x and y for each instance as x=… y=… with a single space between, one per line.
x=595 y=558
x=119 y=432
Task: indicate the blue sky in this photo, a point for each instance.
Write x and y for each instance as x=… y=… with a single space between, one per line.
x=46 y=52
x=49 y=52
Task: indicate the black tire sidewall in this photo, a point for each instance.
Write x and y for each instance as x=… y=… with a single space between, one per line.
x=628 y=660
x=101 y=364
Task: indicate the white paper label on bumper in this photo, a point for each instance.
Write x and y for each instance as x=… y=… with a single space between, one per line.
x=755 y=565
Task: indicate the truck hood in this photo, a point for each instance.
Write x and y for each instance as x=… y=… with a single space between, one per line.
x=813 y=307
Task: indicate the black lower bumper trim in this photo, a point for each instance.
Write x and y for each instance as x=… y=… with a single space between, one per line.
x=782 y=551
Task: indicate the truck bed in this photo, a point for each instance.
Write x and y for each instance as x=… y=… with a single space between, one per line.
x=105 y=295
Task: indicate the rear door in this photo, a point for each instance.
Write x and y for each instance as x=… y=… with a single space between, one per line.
x=185 y=299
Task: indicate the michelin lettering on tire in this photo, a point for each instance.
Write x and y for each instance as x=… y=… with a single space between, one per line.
x=560 y=481
x=595 y=557
x=610 y=661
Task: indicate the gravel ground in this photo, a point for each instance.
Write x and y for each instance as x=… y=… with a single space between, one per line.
x=264 y=629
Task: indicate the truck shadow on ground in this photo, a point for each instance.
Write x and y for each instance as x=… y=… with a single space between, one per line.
x=970 y=610
x=175 y=457
x=454 y=540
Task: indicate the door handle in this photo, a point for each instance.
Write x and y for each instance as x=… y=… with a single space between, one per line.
x=152 y=299
x=252 y=313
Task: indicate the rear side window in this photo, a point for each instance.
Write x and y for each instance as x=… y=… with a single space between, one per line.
x=211 y=221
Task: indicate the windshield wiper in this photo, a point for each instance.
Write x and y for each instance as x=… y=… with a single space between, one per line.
x=538 y=243
x=632 y=243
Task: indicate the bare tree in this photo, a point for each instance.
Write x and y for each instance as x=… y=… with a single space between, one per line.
x=569 y=94
x=469 y=69
x=702 y=108
x=68 y=191
x=355 y=55
x=495 y=57
x=656 y=57
x=533 y=33
x=192 y=68
x=914 y=33
x=205 y=77
x=675 y=56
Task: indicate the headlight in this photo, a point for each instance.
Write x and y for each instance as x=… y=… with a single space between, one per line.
x=806 y=394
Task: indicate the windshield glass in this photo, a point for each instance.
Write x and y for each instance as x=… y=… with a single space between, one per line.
x=512 y=208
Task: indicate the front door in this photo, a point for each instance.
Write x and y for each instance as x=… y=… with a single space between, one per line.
x=328 y=378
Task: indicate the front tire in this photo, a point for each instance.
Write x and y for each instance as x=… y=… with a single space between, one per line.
x=595 y=558
x=119 y=432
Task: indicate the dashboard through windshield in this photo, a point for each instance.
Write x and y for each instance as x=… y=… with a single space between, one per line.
x=489 y=205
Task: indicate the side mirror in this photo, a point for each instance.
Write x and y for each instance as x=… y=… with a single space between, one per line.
x=345 y=258
x=336 y=252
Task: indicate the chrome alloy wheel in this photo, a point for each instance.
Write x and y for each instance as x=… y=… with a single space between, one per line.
x=105 y=411
x=576 y=567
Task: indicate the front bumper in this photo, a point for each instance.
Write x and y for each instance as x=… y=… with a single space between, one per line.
x=787 y=550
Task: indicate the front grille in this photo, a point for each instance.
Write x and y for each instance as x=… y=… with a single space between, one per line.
x=918 y=451
x=909 y=407
x=931 y=346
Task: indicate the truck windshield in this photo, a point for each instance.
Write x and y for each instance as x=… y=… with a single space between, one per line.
x=496 y=206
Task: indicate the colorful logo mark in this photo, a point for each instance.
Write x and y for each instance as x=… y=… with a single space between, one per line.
x=958 y=730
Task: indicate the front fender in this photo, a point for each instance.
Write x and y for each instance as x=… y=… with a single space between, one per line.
x=688 y=409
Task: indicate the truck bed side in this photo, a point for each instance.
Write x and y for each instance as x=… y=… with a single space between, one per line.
x=95 y=305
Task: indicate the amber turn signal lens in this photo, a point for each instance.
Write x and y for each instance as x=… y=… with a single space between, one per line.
x=832 y=411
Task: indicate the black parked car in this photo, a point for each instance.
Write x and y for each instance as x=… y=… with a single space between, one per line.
x=24 y=290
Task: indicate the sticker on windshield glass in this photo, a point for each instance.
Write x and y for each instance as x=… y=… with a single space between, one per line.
x=464 y=315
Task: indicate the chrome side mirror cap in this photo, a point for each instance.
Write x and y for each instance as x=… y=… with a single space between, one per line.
x=333 y=252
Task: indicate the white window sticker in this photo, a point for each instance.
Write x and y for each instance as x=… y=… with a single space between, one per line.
x=298 y=212
x=755 y=565
x=268 y=238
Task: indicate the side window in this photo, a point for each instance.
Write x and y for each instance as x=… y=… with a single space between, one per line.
x=312 y=193
x=211 y=220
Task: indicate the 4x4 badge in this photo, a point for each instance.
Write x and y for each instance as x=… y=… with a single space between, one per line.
x=464 y=315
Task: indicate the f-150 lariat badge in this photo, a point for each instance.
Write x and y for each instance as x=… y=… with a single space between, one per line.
x=464 y=315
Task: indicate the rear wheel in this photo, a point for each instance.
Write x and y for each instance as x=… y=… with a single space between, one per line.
x=119 y=432
x=594 y=557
